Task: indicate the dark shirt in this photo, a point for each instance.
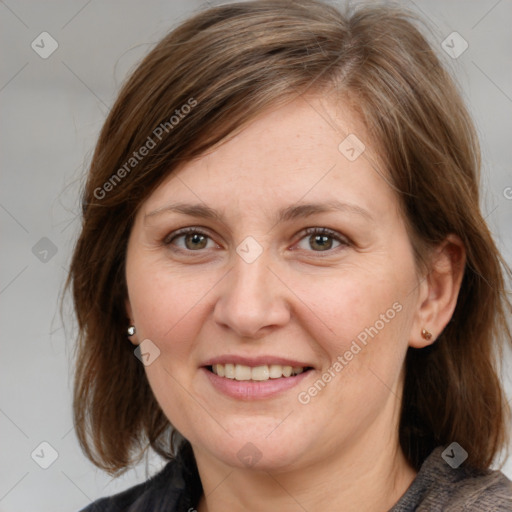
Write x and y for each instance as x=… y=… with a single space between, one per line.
x=436 y=488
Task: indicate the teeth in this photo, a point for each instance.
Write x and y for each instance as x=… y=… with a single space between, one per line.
x=276 y=371
x=229 y=370
x=264 y=372
x=242 y=372
x=260 y=373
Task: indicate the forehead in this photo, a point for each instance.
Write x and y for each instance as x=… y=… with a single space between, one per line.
x=309 y=150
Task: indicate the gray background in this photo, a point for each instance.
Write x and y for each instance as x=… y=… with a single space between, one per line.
x=52 y=111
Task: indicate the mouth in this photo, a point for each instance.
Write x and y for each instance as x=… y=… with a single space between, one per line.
x=256 y=380
x=260 y=373
x=264 y=376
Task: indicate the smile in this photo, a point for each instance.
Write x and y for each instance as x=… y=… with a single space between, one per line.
x=254 y=382
x=255 y=373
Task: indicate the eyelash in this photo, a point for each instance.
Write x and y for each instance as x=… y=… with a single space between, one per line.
x=343 y=241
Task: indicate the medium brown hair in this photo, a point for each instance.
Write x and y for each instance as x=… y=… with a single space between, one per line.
x=230 y=63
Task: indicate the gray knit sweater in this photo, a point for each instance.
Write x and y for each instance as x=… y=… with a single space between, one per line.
x=440 y=488
x=436 y=488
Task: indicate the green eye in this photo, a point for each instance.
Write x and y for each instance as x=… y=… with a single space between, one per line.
x=190 y=239
x=195 y=241
x=321 y=240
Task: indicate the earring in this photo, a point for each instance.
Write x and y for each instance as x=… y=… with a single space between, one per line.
x=131 y=330
x=426 y=335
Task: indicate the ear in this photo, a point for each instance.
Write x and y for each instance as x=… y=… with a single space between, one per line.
x=439 y=291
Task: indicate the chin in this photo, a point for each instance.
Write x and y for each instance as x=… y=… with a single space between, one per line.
x=258 y=445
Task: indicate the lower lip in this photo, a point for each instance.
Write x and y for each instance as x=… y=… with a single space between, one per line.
x=251 y=389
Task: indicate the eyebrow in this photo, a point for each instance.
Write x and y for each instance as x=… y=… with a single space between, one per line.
x=285 y=215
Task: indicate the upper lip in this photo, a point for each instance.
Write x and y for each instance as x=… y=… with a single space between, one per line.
x=255 y=361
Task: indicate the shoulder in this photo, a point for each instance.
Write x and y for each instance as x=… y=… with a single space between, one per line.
x=439 y=487
x=166 y=491
x=491 y=492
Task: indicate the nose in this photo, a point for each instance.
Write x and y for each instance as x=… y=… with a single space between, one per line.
x=252 y=300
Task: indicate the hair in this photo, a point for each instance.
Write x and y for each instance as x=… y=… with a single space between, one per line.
x=227 y=65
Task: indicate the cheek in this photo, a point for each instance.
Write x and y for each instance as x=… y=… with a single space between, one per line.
x=354 y=302
x=168 y=307
x=169 y=310
x=360 y=320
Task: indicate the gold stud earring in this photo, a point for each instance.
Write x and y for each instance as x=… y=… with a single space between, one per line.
x=426 y=334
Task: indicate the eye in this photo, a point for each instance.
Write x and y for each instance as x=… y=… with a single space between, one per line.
x=321 y=240
x=316 y=239
x=190 y=239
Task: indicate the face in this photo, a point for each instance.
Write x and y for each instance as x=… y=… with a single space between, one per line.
x=276 y=279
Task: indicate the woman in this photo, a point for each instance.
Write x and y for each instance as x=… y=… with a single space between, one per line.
x=282 y=217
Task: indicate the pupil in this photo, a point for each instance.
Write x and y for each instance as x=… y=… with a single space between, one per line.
x=195 y=241
x=322 y=241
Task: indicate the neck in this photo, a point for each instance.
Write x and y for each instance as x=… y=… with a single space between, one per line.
x=367 y=476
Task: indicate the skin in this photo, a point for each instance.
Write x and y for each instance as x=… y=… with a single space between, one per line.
x=196 y=298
